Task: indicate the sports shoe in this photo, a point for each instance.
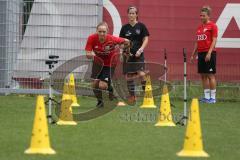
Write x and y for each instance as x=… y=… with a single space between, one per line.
x=204 y=100
x=212 y=101
x=100 y=104
x=132 y=100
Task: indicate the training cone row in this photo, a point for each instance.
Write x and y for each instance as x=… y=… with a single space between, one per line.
x=40 y=143
x=148 y=101
x=193 y=145
x=165 y=114
x=66 y=117
x=69 y=100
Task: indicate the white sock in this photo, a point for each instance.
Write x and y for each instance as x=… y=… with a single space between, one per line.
x=213 y=93
x=207 y=93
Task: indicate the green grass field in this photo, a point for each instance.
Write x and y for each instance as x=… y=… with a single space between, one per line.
x=113 y=136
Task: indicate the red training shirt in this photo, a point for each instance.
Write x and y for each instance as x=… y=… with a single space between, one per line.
x=205 y=34
x=106 y=50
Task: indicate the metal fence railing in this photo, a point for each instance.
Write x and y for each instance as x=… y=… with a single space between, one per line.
x=9 y=39
x=31 y=30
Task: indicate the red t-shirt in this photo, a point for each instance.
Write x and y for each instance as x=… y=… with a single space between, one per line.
x=205 y=34
x=106 y=50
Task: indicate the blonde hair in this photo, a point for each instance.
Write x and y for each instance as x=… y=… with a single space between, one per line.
x=207 y=9
x=102 y=24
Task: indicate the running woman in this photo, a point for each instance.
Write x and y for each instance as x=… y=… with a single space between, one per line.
x=101 y=47
x=134 y=66
x=205 y=50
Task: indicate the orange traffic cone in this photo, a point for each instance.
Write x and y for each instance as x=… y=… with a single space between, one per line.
x=40 y=143
x=193 y=145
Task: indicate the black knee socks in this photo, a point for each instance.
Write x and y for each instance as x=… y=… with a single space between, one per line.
x=110 y=89
x=131 y=87
x=143 y=85
x=98 y=94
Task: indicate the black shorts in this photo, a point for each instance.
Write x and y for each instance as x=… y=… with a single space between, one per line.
x=206 y=67
x=103 y=74
x=133 y=65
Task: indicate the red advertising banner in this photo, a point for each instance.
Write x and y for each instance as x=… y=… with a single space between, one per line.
x=172 y=25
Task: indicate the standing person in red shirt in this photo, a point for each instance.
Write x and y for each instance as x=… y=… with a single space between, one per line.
x=101 y=47
x=206 y=34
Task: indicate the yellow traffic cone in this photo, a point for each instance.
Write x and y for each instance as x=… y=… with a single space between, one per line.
x=65 y=117
x=40 y=143
x=165 y=114
x=148 y=101
x=193 y=146
x=72 y=91
x=121 y=103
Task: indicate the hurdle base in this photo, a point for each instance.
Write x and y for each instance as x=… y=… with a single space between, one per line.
x=61 y=122
x=40 y=151
x=75 y=105
x=165 y=124
x=186 y=153
x=148 y=106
